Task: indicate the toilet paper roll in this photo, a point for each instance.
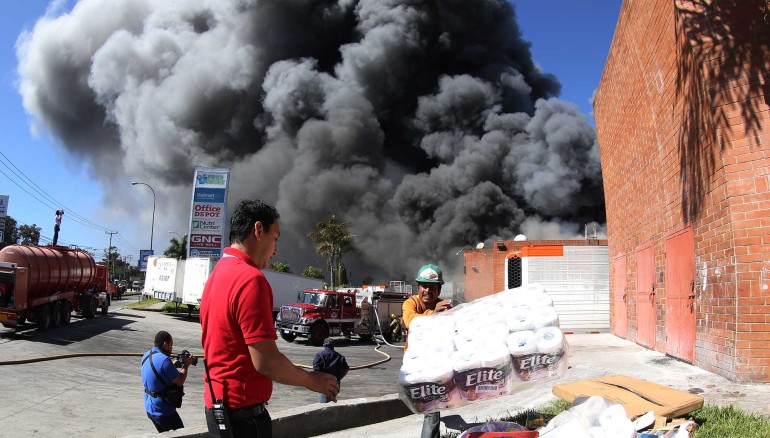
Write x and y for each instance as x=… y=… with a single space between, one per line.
x=495 y=334
x=539 y=299
x=522 y=343
x=429 y=349
x=513 y=301
x=465 y=360
x=545 y=317
x=533 y=288
x=519 y=319
x=549 y=340
x=469 y=338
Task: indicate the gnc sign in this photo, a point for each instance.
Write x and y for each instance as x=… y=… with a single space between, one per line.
x=206 y=241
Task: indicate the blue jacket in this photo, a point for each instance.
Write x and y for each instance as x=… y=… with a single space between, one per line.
x=329 y=361
x=168 y=372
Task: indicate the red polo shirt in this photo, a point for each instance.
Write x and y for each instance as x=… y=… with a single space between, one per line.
x=236 y=310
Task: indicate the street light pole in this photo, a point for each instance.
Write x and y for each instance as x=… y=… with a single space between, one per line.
x=152 y=228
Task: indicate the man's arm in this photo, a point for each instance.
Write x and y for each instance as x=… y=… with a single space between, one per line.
x=179 y=381
x=271 y=363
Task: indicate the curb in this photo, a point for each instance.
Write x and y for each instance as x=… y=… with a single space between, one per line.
x=317 y=419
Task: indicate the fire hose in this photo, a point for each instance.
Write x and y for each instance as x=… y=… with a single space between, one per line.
x=75 y=355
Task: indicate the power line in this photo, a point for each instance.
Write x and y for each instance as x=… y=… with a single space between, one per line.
x=49 y=199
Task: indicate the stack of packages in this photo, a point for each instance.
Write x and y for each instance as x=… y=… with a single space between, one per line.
x=483 y=349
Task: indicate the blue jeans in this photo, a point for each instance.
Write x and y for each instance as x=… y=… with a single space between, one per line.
x=164 y=423
x=430 y=426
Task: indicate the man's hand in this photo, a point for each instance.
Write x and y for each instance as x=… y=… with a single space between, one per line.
x=443 y=305
x=188 y=361
x=324 y=383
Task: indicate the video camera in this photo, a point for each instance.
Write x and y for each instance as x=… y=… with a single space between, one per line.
x=181 y=357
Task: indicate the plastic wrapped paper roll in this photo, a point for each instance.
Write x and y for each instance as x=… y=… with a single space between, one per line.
x=429 y=387
x=483 y=374
x=548 y=358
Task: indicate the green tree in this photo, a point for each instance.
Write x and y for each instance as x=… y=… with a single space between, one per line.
x=11 y=233
x=30 y=234
x=332 y=240
x=280 y=267
x=313 y=272
x=177 y=249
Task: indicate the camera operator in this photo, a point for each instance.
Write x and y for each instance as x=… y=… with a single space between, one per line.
x=163 y=383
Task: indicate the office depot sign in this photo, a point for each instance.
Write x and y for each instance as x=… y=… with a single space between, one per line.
x=208 y=211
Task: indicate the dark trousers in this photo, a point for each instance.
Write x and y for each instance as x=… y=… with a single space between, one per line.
x=259 y=426
x=164 y=423
x=430 y=425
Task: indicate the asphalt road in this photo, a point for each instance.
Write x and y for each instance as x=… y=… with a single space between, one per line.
x=103 y=396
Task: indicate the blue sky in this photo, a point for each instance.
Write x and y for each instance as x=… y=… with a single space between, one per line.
x=570 y=38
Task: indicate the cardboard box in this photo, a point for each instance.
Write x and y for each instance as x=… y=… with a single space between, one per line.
x=637 y=396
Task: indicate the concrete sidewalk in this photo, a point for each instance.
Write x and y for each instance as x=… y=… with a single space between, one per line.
x=590 y=356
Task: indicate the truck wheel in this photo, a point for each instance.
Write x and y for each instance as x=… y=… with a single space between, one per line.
x=288 y=337
x=56 y=314
x=21 y=320
x=43 y=317
x=318 y=332
x=105 y=306
x=67 y=313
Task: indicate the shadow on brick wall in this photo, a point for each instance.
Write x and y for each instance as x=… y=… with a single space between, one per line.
x=722 y=78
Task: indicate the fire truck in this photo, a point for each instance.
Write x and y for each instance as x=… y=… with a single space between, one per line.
x=320 y=313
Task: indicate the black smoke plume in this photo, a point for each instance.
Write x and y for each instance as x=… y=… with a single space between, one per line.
x=425 y=124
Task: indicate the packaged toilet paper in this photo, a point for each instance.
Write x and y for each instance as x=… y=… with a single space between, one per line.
x=483 y=349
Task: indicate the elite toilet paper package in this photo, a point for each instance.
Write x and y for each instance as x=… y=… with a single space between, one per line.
x=483 y=349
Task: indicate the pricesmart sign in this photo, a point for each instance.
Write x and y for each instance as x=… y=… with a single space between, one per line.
x=207 y=212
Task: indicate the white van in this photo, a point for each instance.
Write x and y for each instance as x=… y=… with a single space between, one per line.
x=136 y=285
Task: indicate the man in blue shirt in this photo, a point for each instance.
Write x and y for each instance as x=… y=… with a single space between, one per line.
x=163 y=415
x=331 y=362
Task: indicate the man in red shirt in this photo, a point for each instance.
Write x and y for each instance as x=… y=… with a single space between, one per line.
x=238 y=335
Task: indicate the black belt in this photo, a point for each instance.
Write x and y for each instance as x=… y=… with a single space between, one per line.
x=247 y=412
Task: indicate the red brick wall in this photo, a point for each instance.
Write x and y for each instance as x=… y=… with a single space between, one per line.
x=683 y=125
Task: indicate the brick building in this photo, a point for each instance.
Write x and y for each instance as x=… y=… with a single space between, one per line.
x=573 y=272
x=683 y=126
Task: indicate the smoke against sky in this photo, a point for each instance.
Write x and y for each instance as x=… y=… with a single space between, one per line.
x=426 y=125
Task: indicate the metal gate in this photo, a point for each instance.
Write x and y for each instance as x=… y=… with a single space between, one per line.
x=619 y=296
x=680 y=294
x=645 y=295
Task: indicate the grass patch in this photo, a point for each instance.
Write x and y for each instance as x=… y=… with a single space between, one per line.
x=713 y=421
x=144 y=304
x=728 y=422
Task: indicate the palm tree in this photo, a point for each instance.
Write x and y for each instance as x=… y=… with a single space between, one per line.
x=177 y=249
x=332 y=240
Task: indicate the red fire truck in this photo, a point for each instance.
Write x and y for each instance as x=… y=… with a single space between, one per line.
x=321 y=313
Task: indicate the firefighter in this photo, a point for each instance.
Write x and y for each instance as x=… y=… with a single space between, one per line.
x=395 y=328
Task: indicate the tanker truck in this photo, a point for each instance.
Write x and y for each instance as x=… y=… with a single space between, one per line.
x=45 y=284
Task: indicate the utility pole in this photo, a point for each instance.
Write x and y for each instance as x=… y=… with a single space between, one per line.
x=109 y=253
